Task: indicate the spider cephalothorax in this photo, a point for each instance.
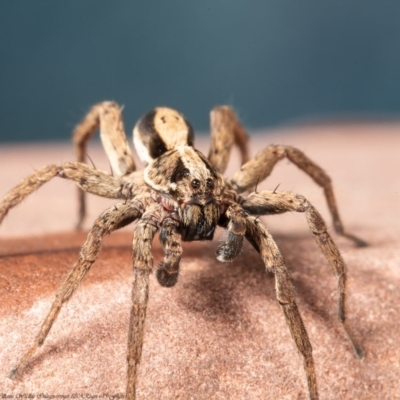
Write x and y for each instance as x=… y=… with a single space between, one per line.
x=183 y=195
x=187 y=177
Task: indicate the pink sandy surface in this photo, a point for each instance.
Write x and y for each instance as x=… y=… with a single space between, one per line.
x=219 y=333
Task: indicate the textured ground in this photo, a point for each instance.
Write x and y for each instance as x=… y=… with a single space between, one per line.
x=219 y=334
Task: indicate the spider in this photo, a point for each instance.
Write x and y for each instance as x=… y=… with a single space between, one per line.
x=183 y=195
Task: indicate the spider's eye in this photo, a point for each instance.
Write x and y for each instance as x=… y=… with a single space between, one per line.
x=210 y=183
x=195 y=183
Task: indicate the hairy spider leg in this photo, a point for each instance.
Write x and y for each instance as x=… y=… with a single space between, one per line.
x=87 y=178
x=226 y=131
x=114 y=218
x=143 y=236
x=108 y=117
x=261 y=166
x=267 y=202
x=263 y=242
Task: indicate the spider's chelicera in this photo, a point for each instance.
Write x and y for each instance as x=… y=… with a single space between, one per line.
x=183 y=195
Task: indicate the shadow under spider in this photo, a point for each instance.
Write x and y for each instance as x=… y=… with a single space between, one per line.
x=65 y=346
x=220 y=291
x=217 y=292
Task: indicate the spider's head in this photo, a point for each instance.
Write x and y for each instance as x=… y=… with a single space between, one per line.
x=187 y=177
x=159 y=131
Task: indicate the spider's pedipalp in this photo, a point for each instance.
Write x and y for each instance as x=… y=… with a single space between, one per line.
x=263 y=242
x=108 y=117
x=168 y=270
x=261 y=166
x=87 y=178
x=236 y=228
x=267 y=202
x=110 y=220
x=226 y=130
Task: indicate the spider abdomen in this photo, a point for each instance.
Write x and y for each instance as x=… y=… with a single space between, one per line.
x=159 y=131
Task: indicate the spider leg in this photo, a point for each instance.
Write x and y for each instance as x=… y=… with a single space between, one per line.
x=110 y=220
x=108 y=117
x=267 y=202
x=87 y=178
x=168 y=269
x=143 y=236
x=263 y=242
x=226 y=130
x=258 y=168
x=236 y=227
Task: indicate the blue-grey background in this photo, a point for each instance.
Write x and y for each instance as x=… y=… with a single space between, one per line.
x=273 y=60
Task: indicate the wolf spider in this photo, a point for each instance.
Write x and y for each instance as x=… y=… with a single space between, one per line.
x=182 y=194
